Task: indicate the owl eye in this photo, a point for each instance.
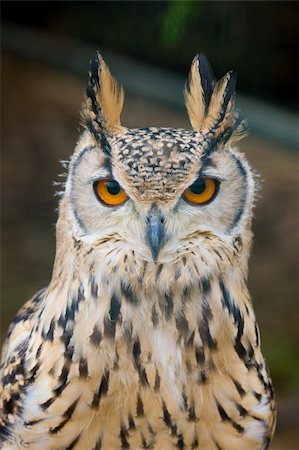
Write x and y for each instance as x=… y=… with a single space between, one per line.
x=202 y=191
x=109 y=192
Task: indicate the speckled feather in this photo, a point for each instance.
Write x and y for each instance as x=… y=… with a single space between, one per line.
x=124 y=352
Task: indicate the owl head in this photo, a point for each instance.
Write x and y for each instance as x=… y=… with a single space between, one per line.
x=161 y=193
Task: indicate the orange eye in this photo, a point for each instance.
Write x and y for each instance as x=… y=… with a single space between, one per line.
x=109 y=192
x=202 y=191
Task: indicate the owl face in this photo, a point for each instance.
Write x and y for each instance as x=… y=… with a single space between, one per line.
x=155 y=189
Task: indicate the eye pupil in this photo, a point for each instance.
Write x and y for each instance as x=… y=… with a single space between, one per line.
x=113 y=187
x=198 y=186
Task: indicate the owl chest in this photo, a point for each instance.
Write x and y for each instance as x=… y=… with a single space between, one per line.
x=126 y=392
x=140 y=398
x=156 y=392
x=142 y=353
x=139 y=379
x=145 y=374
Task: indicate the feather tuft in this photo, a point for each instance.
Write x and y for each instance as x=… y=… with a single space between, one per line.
x=210 y=104
x=111 y=98
x=103 y=102
x=198 y=90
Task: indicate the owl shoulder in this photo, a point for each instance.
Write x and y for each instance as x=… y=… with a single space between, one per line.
x=13 y=375
x=21 y=326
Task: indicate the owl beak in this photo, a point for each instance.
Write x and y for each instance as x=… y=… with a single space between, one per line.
x=155 y=232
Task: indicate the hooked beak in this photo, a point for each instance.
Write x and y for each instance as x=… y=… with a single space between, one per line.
x=155 y=232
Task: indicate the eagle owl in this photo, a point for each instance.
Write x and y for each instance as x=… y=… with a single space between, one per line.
x=145 y=337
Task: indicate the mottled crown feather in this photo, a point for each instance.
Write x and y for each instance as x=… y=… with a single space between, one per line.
x=103 y=101
x=210 y=103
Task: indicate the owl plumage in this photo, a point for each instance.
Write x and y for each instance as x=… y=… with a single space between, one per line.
x=146 y=335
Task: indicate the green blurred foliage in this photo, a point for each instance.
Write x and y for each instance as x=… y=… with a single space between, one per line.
x=176 y=19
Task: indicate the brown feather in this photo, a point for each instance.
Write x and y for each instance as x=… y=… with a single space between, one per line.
x=194 y=96
x=210 y=105
x=103 y=101
x=220 y=113
x=111 y=98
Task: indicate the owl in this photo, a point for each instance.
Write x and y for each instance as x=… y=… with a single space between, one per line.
x=146 y=336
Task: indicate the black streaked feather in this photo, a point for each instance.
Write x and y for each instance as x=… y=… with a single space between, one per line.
x=96 y=126
x=228 y=94
x=207 y=78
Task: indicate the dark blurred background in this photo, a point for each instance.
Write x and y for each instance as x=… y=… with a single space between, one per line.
x=46 y=47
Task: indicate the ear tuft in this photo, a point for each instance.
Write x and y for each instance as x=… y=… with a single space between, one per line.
x=103 y=101
x=220 y=112
x=111 y=98
x=209 y=103
x=194 y=96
